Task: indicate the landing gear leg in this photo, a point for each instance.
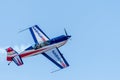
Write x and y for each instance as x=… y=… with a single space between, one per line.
x=9 y=63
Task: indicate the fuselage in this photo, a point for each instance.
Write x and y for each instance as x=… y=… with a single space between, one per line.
x=39 y=48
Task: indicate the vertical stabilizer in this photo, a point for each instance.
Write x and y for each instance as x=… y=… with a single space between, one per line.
x=12 y=55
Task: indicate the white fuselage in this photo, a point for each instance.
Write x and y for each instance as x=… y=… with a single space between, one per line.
x=33 y=52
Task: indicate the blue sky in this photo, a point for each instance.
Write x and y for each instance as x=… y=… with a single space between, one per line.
x=93 y=51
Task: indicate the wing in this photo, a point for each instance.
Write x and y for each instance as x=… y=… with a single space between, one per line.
x=38 y=35
x=56 y=57
x=53 y=55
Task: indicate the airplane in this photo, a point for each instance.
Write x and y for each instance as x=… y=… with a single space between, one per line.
x=43 y=45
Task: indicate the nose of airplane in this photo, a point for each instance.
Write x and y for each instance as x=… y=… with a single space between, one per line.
x=68 y=36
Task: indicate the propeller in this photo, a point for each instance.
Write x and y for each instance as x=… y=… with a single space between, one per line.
x=67 y=33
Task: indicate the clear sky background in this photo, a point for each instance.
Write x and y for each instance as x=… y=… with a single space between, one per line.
x=93 y=51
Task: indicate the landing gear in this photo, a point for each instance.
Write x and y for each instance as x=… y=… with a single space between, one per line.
x=9 y=63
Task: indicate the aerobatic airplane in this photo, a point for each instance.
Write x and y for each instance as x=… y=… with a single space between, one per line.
x=43 y=45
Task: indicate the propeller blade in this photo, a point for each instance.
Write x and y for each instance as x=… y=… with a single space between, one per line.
x=65 y=32
x=23 y=30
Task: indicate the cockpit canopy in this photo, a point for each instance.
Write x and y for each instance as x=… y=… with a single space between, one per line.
x=49 y=42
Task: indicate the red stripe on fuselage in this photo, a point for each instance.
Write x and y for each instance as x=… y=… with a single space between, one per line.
x=30 y=53
x=9 y=58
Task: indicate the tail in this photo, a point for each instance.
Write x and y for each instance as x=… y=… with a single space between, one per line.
x=10 y=51
x=12 y=55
